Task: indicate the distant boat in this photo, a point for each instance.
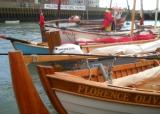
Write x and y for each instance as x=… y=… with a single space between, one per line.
x=12 y=21
x=30 y=48
x=83 y=32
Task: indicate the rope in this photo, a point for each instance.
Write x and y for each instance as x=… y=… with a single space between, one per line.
x=87 y=62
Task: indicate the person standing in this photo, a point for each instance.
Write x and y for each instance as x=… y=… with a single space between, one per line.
x=41 y=24
x=108 y=19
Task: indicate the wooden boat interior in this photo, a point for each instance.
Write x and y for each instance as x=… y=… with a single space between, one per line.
x=117 y=71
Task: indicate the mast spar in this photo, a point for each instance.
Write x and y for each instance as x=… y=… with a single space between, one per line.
x=58 y=12
x=156 y=13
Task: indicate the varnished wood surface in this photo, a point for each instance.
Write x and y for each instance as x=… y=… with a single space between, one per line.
x=51 y=94
x=77 y=83
x=28 y=99
x=46 y=58
x=53 y=39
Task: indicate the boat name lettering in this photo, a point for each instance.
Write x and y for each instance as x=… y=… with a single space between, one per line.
x=118 y=95
x=109 y=94
x=147 y=99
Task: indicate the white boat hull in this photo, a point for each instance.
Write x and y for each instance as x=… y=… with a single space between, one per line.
x=75 y=36
x=12 y=22
x=75 y=104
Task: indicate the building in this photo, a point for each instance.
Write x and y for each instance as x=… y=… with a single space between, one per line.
x=90 y=3
x=34 y=3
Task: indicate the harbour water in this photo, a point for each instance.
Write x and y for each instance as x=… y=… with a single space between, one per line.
x=27 y=31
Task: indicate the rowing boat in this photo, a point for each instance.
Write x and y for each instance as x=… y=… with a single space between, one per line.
x=86 y=91
x=132 y=89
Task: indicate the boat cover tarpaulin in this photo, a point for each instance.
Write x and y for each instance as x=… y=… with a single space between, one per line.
x=68 y=48
x=139 y=79
x=128 y=49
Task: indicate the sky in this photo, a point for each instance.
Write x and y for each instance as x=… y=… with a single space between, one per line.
x=147 y=4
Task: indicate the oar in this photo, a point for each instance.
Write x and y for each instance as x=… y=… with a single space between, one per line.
x=14 y=39
x=29 y=58
x=70 y=57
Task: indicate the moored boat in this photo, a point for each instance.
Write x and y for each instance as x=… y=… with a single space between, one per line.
x=87 y=91
x=54 y=40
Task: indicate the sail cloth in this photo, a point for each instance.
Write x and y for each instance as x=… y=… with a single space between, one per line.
x=130 y=49
x=148 y=77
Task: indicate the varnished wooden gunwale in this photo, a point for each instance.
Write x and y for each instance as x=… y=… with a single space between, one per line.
x=51 y=94
x=47 y=58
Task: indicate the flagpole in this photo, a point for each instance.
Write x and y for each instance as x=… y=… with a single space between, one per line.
x=110 y=3
x=156 y=14
x=58 y=12
x=142 y=14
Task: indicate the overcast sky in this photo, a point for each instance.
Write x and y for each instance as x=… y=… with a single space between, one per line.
x=147 y=4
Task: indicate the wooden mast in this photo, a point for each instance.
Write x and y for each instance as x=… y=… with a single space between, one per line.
x=28 y=99
x=142 y=14
x=133 y=17
x=58 y=12
x=110 y=3
x=156 y=13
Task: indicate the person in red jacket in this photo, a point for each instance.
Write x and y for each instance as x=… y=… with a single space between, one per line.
x=41 y=19
x=108 y=19
x=41 y=24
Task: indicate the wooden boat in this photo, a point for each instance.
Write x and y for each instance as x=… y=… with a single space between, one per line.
x=31 y=48
x=86 y=31
x=28 y=47
x=27 y=97
x=84 y=34
x=89 y=34
x=87 y=91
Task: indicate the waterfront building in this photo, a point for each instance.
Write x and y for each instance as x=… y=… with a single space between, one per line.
x=34 y=3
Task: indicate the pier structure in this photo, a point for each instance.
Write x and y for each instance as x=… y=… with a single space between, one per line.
x=28 y=10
